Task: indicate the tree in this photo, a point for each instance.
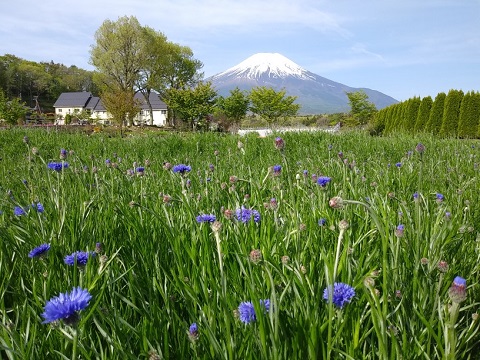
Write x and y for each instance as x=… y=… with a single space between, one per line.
x=119 y=57
x=193 y=105
x=177 y=70
x=451 y=113
x=423 y=114
x=469 y=115
x=121 y=105
x=436 y=114
x=271 y=105
x=150 y=74
x=361 y=110
x=11 y=110
x=235 y=106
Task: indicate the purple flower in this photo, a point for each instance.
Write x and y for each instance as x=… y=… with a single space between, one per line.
x=399 y=230
x=245 y=215
x=420 y=148
x=246 y=310
x=18 y=211
x=66 y=306
x=323 y=180
x=279 y=143
x=39 y=251
x=193 y=332
x=80 y=257
x=39 y=207
x=342 y=294
x=57 y=166
x=458 y=291
x=182 y=169
x=206 y=218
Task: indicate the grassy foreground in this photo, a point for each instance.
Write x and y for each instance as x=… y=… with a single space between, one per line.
x=394 y=224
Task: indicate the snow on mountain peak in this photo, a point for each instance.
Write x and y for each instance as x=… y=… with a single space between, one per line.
x=271 y=64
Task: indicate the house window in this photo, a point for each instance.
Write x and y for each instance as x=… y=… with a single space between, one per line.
x=59 y=110
x=163 y=112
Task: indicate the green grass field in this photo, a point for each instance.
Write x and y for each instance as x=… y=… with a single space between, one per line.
x=394 y=228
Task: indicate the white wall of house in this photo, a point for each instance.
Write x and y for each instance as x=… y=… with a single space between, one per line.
x=159 y=117
x=100 y=115
x=61 y=112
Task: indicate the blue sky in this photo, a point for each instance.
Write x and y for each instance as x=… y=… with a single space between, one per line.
x=403 y=48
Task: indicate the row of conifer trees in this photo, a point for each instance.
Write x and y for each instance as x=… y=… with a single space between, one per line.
x=450 y=115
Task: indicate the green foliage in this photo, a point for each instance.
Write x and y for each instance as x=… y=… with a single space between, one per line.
x=11 y=111
x=410 y=114
x=423 y=114
x=469 y=115
x=272 y=105
x=361 y=110
x=47 y=80
x=129 y=57
x=436 y=114
x=193 y=105
x=160 y=270
x=451 y=113
x=234 y=107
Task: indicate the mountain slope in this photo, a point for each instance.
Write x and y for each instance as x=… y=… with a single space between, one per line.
x=315 y=94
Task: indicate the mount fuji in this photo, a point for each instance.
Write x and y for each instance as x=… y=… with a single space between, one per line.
x=315 y=94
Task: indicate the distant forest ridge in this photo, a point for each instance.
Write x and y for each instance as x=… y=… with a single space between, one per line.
x=27 y=79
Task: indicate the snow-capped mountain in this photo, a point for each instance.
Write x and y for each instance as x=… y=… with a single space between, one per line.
x=272 y=65
x=315 y=94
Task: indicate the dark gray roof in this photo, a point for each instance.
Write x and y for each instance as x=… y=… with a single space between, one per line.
x=92 y=103
x=73 y=99
x=155 y=101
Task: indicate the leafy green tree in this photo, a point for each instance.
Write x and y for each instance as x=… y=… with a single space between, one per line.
x=436 y=114
x=451 y=113
x=272 y=105
x=469 y=115
x=410 y=113
x=177 y=70
x=235 y=106
x=195 y=105
x=361 y=110
x=11 y=110
x=423 y=114
x=119 y=56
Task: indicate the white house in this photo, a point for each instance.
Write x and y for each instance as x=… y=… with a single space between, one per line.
x=75 y=102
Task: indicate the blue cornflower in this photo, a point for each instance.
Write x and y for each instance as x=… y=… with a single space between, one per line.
x=323 y=180
x=246 y=311
x=80 y=257
x=193 y=332
x=399 y=164
x=415 y=195
x=399 y=230
x=206 y=218
x=18 y=211
x=66 y=306
x=342 y=294
x=182 y=168
x=39 y=207
x=57 y=166
x=39 y=251
x=140 y=169
x=277 y=168
x=245 y=215
x=439 y=197
x=322 y=222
